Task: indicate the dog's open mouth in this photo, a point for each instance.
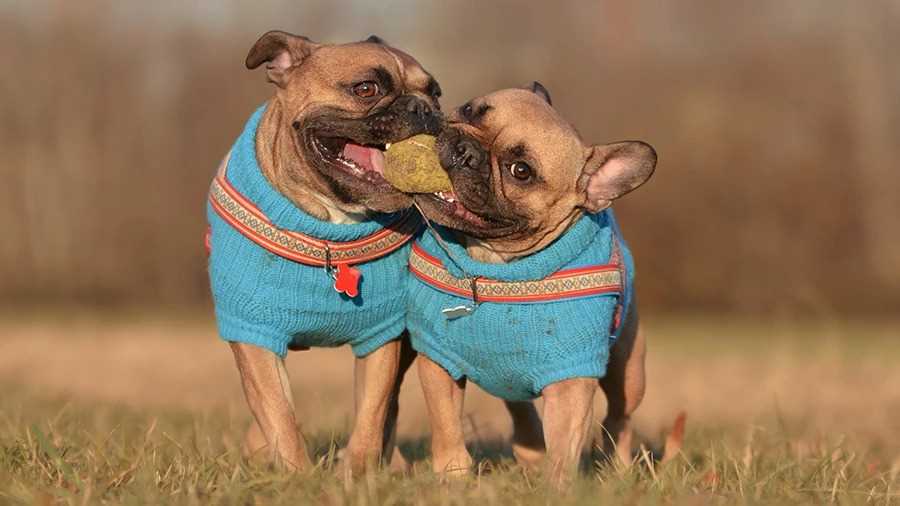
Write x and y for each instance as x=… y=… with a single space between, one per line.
x=450 y=204
x=361 y=161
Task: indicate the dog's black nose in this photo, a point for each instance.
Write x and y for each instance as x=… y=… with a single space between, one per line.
x=419 y=108
x=468 y=153
x=422 y=114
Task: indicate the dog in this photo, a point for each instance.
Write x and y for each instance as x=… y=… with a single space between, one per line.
x=527 y=264
x=297 y=257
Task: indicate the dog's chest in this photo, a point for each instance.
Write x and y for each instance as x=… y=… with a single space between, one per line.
x=510 y=349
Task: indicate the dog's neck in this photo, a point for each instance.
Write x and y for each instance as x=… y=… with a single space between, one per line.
x=484 y=252
x=284 y=167
x=500 y=251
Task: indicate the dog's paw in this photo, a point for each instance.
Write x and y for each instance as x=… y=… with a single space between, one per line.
x=454 y=465
x=528 y=455
x=399 y=464
x=353 y=462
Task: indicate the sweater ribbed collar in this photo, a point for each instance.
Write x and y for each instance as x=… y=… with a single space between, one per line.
x=561 y=252
x=245 y=174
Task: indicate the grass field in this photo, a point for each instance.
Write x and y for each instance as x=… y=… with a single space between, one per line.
x=140 y=410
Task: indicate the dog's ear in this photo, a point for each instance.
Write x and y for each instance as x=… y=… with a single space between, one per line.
x=281 y=52
x=612 y=170
x=539 y=90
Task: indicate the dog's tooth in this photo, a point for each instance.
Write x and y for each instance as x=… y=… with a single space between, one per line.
x=387 y=146
x=446 y=198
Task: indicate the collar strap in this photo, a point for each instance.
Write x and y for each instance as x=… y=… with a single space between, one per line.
x=564 y=284
x=247 y=219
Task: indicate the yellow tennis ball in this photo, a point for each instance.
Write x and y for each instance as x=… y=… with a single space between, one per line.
x=413 y=166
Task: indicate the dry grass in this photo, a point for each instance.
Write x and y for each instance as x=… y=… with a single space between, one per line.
x=141 y=410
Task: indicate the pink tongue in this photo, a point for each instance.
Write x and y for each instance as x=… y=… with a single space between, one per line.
x=367 y=158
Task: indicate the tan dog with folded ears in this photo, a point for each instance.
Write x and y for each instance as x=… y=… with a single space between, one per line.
x=523 y=184
x=290 y=211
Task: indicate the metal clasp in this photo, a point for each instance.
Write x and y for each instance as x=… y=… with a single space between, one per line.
x=452 y=313
x=330 y=269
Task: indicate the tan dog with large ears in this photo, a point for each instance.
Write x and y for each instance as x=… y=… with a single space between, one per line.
x=363 y=94
x=523 y=180
x=525 y=175
x=319 y=144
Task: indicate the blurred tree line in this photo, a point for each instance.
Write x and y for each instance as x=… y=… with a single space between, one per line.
x=776 y=124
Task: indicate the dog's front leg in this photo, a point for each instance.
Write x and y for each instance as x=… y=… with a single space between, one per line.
x=268 y=393
x=375 y=379
x=444 y=398
x=568 y=409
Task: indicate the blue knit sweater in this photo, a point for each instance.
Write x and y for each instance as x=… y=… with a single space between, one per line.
x=266 y=300
x=514 y=350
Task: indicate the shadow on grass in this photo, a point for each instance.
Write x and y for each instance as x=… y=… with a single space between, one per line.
x=494 y=451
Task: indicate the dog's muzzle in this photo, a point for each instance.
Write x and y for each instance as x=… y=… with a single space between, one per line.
x=421 y=115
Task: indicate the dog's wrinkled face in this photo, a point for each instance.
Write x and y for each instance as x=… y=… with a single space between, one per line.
x=341 y=105
x=521 y=173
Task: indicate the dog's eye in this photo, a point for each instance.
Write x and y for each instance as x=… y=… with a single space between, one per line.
x=365 y=89
x=467 y=111
x=520 y=170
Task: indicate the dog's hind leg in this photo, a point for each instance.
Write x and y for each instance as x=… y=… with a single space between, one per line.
x=254 y=444
x=624 y=386
x=444 y=397
x=268 y=392
x=528 y=433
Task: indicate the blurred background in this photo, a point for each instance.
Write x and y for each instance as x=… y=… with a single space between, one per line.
x=767 y=243
x=777 y=191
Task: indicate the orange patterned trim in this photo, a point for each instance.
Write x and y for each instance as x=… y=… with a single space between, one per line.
x=247 y=219
x=566 y=284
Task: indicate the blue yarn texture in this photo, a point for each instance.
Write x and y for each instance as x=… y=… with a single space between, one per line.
x=263 y=299
x=514 y=350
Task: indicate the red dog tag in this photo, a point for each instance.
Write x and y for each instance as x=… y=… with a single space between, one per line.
x=346 y=280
